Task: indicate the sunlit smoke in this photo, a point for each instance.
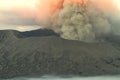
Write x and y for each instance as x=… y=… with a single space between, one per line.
x=47 y=8
x=84 y=20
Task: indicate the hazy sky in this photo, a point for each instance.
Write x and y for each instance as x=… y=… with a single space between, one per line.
x=18 y=14
x=21 y=14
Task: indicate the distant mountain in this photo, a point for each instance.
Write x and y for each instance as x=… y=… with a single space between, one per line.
x=33 y=33
x=39 y=33
x=43 y=52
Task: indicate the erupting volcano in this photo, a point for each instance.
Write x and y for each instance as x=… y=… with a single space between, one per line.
x=78 y=19
x=78 y=38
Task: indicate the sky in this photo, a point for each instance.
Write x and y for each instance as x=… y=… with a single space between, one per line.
x=18 y=14
x=22 y=14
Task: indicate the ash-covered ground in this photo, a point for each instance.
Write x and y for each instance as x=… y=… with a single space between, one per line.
x=26 y=54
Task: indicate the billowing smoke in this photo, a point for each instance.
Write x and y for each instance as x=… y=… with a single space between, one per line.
x=76 y=22
x=79 y=19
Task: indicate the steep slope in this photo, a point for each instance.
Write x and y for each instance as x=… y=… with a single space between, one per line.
x=39 y=55
x=6 y=35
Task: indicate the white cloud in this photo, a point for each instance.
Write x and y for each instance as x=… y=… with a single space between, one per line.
x=27 y=28
x=72 y=78
x=19 y=27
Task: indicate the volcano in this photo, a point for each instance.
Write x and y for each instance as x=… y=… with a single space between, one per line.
x=30 y=54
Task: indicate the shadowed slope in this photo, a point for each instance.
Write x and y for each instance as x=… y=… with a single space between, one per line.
x=38 y=33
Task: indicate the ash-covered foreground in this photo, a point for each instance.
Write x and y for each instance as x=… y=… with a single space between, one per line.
x=24 y=55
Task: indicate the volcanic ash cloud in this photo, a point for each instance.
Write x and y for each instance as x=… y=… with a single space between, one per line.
x=80 y=21
x=77 y=22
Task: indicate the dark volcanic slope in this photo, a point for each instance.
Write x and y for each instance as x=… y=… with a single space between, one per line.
x=39 y=55
x=38 y=33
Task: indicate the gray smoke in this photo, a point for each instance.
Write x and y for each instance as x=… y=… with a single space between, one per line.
x=84 y=23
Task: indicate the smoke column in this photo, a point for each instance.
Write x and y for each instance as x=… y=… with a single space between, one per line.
x=83 y=20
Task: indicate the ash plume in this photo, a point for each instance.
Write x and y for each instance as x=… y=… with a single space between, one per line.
x=80 y=20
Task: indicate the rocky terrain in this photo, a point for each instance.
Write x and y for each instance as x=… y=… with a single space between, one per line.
x=42 y=52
